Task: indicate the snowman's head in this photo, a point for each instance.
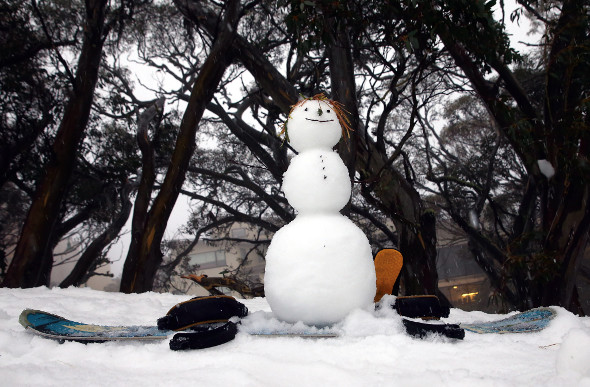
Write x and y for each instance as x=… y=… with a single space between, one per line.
x=316 y=122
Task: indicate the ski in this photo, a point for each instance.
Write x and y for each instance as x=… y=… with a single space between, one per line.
x=59 y=328
x=219 y=329
x=532 y=320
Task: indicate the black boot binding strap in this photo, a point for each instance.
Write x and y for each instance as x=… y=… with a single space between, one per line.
x=208 y=320
x=204 y=338
x=208 y=317
x=202 y=310
x=425 y=307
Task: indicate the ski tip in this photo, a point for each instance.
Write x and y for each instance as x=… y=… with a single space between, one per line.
x=23 y=319
x=530 y=321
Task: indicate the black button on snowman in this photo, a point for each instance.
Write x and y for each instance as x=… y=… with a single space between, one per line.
x=319 y=267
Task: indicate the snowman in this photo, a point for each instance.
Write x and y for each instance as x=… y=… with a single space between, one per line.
x=319 y=267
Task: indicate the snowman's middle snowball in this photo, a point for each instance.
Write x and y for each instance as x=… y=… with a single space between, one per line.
x=317 y=181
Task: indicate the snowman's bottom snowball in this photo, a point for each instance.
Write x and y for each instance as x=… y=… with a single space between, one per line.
x=319 y=268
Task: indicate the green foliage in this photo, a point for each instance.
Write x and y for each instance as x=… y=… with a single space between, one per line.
x=312 y=22
x=414 y=24
x=41 y=41
x=27 y=90
x=404 y=70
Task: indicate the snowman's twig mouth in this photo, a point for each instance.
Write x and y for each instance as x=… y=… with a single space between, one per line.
x=311 y=119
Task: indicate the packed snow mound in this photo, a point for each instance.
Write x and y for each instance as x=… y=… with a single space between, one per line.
x=574 y=354
x=382 y=320
x=371 y=351
x=546 y=168
x=318 y=269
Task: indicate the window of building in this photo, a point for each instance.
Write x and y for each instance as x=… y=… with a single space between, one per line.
x=465 y=294
x=208 y=259
x=238 y=233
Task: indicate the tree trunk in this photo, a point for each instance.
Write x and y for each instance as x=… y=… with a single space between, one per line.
x=566 y=241
x=360 y=152
x=92 y=252
x=564 y=205
x=146 y=184
x=558 y=134
x=26 y=268
x=144 y=256
x=415 y=227
x=344 y=91
x=273 y=83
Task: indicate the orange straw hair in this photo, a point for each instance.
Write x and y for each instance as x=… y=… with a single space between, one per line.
x=339 y=109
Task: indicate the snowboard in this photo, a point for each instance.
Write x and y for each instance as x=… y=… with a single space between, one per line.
x=530 y=321
x=388 y=264
x=60 y=328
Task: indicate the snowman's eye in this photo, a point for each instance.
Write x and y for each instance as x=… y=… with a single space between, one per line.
x=305 y=109
x=328 y=111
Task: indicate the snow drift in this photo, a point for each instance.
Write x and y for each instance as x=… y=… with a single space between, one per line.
x=373 y=350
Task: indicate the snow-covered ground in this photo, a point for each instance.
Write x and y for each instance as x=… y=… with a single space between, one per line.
x=373 y=351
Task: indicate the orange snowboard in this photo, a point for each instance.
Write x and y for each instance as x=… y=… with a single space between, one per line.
x=388 y=264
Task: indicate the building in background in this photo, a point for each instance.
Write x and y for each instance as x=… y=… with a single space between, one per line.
x=467 y=287
x=233 y=254
x=65 y=255
x=462 y=281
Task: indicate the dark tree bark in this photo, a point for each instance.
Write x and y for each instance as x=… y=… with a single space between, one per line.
x=553 y=222
x=31 y=254
x=147 y=180
x=282 y=92
x=397 y=198
x=93 y=251
x=58 y=233
x=144 y=256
